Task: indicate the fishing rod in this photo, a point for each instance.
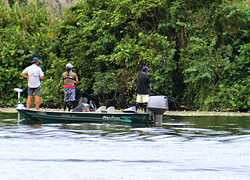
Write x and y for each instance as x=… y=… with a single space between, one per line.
x=155 y=92
x=86 y=93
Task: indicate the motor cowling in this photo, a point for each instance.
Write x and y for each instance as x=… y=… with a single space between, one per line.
x=157 y=105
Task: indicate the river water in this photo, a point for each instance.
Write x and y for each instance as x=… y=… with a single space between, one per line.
x=183 y=148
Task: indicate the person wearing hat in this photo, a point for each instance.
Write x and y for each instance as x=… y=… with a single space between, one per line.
x=69 y=79
x=33 y=74
x=143 y=87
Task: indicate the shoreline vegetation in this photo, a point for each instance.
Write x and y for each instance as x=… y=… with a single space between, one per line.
x=170 y=113
x=197 y=51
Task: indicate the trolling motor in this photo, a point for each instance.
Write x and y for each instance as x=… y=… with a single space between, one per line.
x=157 y=105
x=19 y=104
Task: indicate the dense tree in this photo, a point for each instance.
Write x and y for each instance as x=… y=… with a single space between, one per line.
x=25 y=33
x=197 y=51
x=110 y=41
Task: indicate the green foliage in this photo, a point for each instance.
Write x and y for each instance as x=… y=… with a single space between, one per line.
x=199 y=69
x=238 y=73
x=111 y=41
x=212 y=61
x=24 y=34
x=197 y=51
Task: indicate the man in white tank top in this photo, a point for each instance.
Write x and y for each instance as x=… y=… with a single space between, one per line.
x=34 y=74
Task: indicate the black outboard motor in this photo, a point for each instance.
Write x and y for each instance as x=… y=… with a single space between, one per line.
x=157 y=105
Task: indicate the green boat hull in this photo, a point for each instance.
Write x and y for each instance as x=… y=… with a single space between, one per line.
x=83 y=117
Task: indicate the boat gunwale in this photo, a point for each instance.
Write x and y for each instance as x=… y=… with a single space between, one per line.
x=91 y=112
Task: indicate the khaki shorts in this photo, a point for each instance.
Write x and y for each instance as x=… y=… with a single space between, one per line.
x=142 y=98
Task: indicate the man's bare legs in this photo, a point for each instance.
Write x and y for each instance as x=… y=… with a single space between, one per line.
x=29 y=102
x=37 y=102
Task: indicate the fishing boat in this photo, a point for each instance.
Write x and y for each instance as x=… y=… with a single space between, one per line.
x=157 y=105
x=51 y=116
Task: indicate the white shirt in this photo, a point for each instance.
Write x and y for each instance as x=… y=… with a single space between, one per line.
x=34 y=72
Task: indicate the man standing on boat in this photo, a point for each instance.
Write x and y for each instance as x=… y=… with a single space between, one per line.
x=34 y=74
x=69 y=79
x=143 y=89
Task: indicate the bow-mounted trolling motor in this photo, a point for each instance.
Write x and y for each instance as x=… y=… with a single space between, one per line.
x=19 y=104
x=157 y=105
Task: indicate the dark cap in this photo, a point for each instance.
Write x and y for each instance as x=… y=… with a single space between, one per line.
x=145 y=69
x=35 y=59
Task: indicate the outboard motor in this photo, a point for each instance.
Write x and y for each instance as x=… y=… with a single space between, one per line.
x=157 y=105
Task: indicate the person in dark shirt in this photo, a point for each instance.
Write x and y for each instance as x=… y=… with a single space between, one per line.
x=143 y=89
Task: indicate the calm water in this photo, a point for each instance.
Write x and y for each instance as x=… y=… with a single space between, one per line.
x=183 y=148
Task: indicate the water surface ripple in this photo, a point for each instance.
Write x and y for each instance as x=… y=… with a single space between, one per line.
x=183 y=148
